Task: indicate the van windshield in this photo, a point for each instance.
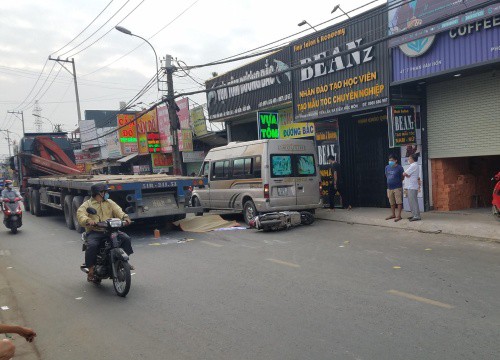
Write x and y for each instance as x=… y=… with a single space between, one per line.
x=284 y=165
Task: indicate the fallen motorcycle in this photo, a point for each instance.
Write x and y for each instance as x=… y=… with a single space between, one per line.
x=282 y=220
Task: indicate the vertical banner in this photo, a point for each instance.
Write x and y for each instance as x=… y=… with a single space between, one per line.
x=268 y=125
x=402 y=125
x=327 y=143
x=128 y=134
x=146 y=124
x=185 y=138
x=183 y=113
x=88 y=134
x=199 y=121
x=164 y=129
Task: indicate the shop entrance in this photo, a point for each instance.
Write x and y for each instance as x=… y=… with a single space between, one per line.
x=372 y=151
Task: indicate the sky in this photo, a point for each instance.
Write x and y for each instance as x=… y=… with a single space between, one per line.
x=116 y=67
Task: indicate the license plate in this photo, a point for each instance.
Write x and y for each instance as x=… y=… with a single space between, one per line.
x=282 y=191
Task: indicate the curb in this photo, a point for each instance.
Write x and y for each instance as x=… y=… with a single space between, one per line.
x=425 y=231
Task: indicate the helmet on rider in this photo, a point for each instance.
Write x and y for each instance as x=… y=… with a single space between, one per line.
x=8 y=184
x=96 y=189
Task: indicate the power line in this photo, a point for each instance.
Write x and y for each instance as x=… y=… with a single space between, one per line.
x=39 y=90
x=81 y=32
x=33 y=88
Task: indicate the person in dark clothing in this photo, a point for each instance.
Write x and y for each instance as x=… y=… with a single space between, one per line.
x=394 y=174
x=336 y=184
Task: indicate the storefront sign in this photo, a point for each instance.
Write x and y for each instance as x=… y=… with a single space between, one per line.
x=146 y=124
x=161 y=162
x=402 y=125
x=327 y=143
x=113 y=146
x=343 y=83
x=290 y=130
x=88 y=134
x=82 y=157
x=240 y=98
x=193 y=156
x=199 y=121
x=153 y=142
x=403 y=16
x=127 y=134
x=478 y=43
x=185 y=138
x=183 y=113
x=268 y=125
x=164 y=129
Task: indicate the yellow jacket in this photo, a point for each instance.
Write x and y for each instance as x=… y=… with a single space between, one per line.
x=105 y=210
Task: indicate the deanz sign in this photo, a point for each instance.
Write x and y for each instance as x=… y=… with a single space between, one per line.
x=402 y=122
x=343 y=83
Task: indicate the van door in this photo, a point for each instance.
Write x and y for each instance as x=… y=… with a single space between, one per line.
x=204 y=192
x=282 y=186
x=220 y=183
x=307 y=180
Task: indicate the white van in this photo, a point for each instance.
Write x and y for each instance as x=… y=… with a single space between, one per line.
x=260 y=176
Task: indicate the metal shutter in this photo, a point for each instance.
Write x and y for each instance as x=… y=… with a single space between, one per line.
x=463 y=117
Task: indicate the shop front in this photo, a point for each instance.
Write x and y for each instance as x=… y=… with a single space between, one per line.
x=458 y=70
x=346 y=97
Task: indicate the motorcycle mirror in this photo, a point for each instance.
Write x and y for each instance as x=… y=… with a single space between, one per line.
x=91 y=211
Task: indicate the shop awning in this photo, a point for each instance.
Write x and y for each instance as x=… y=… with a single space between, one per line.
x=127 y=158
x=212 y=139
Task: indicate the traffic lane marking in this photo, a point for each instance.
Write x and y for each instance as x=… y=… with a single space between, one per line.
x=420 y=299
x=211 y=243
x=286 y=263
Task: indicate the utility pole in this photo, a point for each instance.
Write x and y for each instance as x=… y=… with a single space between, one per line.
x=22 y=117
x=72 y=61
x=172 y=113
x=8 y=140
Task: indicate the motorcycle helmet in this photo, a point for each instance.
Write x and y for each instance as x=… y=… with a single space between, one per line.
x=8 y=184
x=97 y=188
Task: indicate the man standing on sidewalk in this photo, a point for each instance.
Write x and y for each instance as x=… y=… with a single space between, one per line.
x=413 y=187
x=394 y=174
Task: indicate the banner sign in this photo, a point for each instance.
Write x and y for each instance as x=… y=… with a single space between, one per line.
x=146 y=124
x=185 y=138
x=82 y=157
x=403 y=16
x=161 y=162
x=113 y=146
x=193 y=156
x=478 y=42
x=199 y=121
x=268 y=125
x=345 y=83
x=88 y=134
x=240 y=98
x=183 y=113
x=402 y=125
x=290 y=130
x=153 y=142
x=164 y=129
x=327 y=143
x=128 y=134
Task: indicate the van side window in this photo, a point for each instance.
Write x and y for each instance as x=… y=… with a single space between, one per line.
x=257 y=167
x=239 y=168
x=220 y=170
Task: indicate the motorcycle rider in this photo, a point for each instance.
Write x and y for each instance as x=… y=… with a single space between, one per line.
x=8 y=192
x=106 y=209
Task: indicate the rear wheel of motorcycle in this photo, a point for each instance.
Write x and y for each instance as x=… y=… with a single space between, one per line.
x=249 y=211
x=13 y=230
x=75 y=204
x=68 y=216
x=35 y=202
x=306 y=218
x=123 y=278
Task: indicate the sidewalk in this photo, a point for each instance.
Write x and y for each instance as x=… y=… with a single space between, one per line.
x=478 y=223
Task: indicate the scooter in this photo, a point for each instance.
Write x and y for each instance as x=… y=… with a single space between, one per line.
x=495 y=202
x=283 y=220
x=12 y=214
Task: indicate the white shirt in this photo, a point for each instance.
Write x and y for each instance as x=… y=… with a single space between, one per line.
x=411 y=183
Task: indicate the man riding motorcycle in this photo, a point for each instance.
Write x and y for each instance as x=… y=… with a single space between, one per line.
x=106 y=209
x=8 y=192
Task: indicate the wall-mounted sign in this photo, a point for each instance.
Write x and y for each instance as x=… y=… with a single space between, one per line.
x=268 y=125
x=185 y=138
x=183 y=113
x=346 y=82
x=127 y=134
x=153 y=142
x=164 y=129
x=290 y=130
x=327 y=143
x=402 y=125
x=146 y=124
x=88 y=134
x=161 y=162
x=199 y=121
x=193 y=156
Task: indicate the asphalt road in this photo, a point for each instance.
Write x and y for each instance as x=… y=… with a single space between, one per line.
x=328 y=291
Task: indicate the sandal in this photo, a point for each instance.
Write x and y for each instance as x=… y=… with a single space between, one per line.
x=390 y=217
x=397 y=219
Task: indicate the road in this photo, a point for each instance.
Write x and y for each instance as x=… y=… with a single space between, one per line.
x=328 y=291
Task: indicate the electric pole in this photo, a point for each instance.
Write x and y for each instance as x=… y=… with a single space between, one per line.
x=22 y=117
x=72 y=61
x=37 y=113
x=8 y=140
x=172 y=114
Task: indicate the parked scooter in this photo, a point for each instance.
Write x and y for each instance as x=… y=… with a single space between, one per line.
x=495 y=202
x=12 y=213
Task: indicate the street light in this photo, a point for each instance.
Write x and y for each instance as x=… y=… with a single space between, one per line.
x=128 y=32
x=303 y=22
x=43 y=117
x=337 y=7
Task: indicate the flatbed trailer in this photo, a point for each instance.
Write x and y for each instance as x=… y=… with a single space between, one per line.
x=160 y=197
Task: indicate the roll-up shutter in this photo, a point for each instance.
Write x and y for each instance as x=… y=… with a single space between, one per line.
x=463 y=117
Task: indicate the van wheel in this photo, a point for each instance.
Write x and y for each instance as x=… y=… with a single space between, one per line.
x=197 y=203
x=68 y=216
x=75 y=204
x=249 y=211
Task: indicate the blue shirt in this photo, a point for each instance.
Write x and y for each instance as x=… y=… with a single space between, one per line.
x=394 y=176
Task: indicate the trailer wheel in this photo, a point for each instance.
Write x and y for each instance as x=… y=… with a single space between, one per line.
x=68 y=217
x=35 y=202
x=32 y=207
x=75 y=204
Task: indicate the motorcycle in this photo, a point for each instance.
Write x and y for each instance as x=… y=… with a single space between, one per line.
x=112 y=261
x=495 y=202
x=13 y=214
x=283 y=220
